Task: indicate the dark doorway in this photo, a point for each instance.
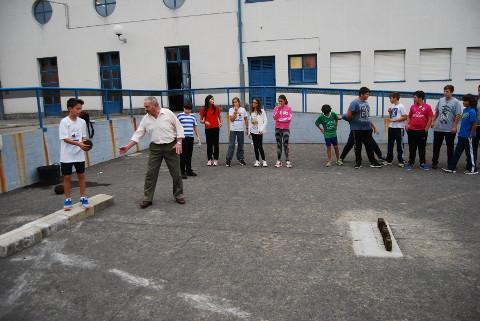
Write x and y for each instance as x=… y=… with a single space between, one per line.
x=178 y=76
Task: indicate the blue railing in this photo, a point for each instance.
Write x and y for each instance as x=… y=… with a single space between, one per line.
x=189 y=94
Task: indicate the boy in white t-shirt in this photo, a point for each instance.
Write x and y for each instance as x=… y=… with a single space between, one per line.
x=396 y=128
x=72 y=133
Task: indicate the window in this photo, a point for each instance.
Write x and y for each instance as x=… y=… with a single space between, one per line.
x=173 y=4
x=42 y=11
x=302 y=69
x=105 y=7
x=435 y=64
x=389 y=65
x=345 y=67
x=473 y=64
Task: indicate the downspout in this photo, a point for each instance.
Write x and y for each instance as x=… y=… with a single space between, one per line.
x=241 y=67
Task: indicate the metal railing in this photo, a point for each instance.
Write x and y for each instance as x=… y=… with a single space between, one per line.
x=39 y=93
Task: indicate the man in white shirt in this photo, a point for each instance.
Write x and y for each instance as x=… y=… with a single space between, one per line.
x=166 y=134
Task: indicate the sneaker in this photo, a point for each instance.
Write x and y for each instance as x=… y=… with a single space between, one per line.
x=376 y=165
x=228 y=163
x=401 y=165
x=191 y=173
x=387 y=163
x=257 y=164
x=424 y=167
x=446 y=170
x=67 y=204
x=328 y=164
x=408 y=167
x=215 y=163
x=242 y=162
x=339 y=162
x=382 y=161
x=209 y=163
x=184 y=176
x=278 y=164
x=289 y=164
x=470 y=173
x=84 y=202
x=264 y=164
x=358 y=166
x=434 y=166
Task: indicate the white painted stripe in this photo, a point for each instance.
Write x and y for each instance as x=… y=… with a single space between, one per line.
x=136 y=280
x=213 y=304
x=367 y=241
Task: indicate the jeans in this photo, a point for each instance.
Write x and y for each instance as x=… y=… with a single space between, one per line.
x=239 y=137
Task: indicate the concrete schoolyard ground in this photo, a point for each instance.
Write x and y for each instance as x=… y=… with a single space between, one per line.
x=250 y=244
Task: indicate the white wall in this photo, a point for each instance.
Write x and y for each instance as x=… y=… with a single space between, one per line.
x=209 y=28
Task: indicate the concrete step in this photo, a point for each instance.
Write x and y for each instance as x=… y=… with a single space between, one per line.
x=32 y=233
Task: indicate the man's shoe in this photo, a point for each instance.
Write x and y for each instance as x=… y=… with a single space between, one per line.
x=192 y=173
x=424 y=167
x=376 y=165
x=242 y=162
x=184 y=176
x=180 y=200
x=145 y=204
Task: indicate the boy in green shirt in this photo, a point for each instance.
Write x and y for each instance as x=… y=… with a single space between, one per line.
x=329 y=121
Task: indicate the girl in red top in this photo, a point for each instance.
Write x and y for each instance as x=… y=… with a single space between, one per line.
x=211 y=118
x=419 y=120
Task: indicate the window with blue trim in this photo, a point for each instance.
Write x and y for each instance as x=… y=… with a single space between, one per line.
x=302 y=69
x=42 y=11
x=105 y=7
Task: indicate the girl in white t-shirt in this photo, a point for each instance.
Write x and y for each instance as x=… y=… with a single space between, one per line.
x=396 y=128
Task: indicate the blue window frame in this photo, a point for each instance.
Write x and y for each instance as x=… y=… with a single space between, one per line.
x=42 y=11
x=302 y=69
x=111 y=78
x=173 y=4
x=105 y=7
x=49 y=78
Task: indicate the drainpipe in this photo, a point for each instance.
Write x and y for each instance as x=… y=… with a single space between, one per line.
x=2 y=107
x=241 y=67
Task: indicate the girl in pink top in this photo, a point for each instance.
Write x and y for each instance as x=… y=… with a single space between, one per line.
x=282 y=114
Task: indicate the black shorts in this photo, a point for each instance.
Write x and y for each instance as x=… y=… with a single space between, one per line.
x=67 y=168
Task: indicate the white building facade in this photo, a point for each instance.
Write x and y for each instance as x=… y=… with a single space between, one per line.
x=166 y=44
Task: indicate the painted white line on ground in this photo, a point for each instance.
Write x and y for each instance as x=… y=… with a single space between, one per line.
x=136 y=280
x=367 y=241
x=213 y=304
x=73 y=260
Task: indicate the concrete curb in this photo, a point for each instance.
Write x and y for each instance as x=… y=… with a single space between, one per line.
x=33 y=232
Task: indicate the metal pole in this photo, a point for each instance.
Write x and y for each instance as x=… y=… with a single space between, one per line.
x=130 y=99
x=341 y=102
x=193 y=100
x=376 y=103
x=228 y=98
x=241 y=66
x=383 y=104
x=303 y=100
x=39 y=109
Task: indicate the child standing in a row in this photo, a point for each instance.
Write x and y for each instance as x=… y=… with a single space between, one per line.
x=282 y=114
x=329 y=121
x=257 y=123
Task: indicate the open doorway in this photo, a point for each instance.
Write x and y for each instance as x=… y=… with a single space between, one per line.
x=178 y=75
